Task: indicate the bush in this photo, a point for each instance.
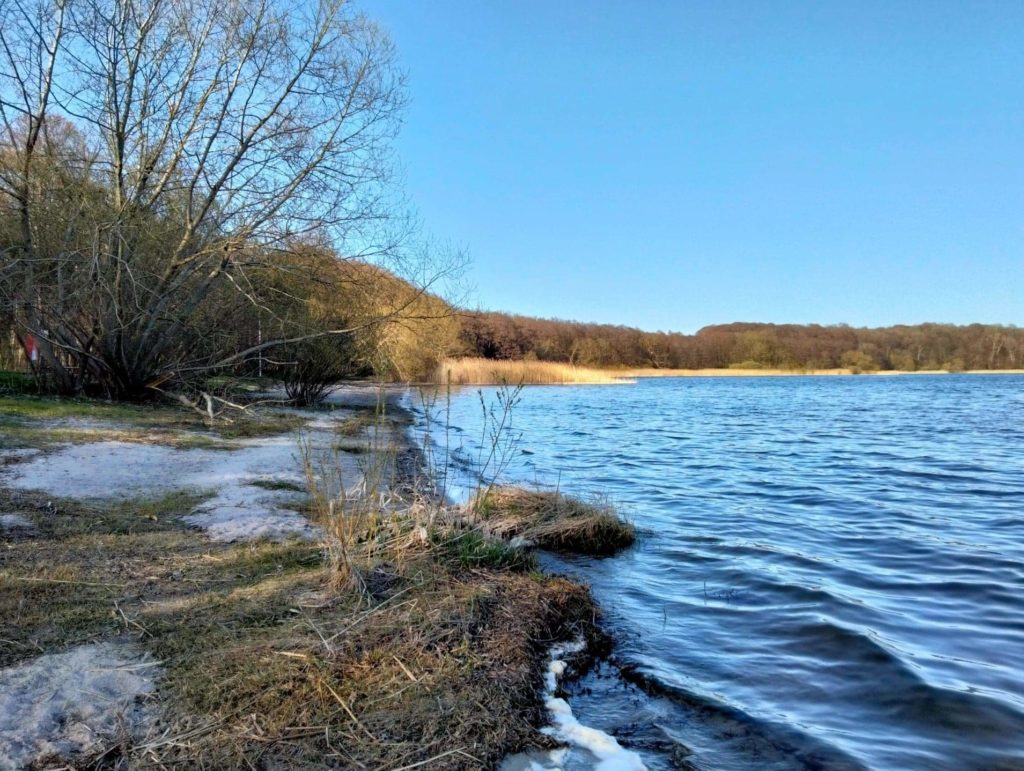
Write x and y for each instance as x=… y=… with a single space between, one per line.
x=313 y=367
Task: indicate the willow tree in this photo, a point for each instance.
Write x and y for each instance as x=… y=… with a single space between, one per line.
x=156 y=153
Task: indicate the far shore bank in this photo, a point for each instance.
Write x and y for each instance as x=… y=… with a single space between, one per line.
x=729 y=372
x=477 y=371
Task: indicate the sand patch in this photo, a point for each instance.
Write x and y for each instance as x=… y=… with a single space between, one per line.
x=239 y=509
x=15 y=523
x=74 y=705
x=241 y=512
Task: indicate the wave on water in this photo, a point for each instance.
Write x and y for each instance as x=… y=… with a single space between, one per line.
x=830 y=573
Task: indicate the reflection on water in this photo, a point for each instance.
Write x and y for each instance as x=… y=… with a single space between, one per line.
x=831 y=573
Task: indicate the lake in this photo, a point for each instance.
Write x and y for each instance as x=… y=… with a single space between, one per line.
x=830 y=572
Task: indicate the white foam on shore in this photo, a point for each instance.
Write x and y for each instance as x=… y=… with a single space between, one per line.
x=566 y=728
x=69 y=706
x=605 y=753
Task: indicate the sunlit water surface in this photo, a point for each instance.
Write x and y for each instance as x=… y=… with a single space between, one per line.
x=830 y=572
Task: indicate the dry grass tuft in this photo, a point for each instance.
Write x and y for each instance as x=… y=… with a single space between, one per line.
x=474 y=371
x=356 y=424
x=434 y=651
x=552 y=521
x=444 y=667
x=360 y=519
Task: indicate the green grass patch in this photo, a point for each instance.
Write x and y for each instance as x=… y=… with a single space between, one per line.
x=358 y=447
x=258 y=424
x=40 y=421
x=48 y=408
x=16 y=434
x=471 y=548
x=356 y=424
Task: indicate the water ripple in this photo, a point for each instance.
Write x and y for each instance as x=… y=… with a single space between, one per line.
x=831 y=570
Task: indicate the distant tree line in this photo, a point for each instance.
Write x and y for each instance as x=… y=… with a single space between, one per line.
x=746 y=345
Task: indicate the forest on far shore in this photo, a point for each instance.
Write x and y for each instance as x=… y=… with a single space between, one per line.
x=746 y=345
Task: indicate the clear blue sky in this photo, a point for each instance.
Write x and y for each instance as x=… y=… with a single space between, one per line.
x=674 y=164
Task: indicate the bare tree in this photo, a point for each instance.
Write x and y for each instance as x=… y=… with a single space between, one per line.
x=156 y=153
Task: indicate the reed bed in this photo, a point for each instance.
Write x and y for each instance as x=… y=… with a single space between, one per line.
x=477 y=371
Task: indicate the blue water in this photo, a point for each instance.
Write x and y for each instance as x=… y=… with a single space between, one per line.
x=830 y=572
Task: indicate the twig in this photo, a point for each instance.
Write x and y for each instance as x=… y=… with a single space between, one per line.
x=64 y=581
x=404 y=668
x=350 y=713
x=131 y=622
x=369 y=613
x=23 y=645
x=458 y=751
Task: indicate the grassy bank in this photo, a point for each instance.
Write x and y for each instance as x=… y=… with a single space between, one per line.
x=408 y=635
x=436 y=658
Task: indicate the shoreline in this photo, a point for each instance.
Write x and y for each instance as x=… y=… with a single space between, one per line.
x=477 y=372
x=840 y=372
x=435 y=618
